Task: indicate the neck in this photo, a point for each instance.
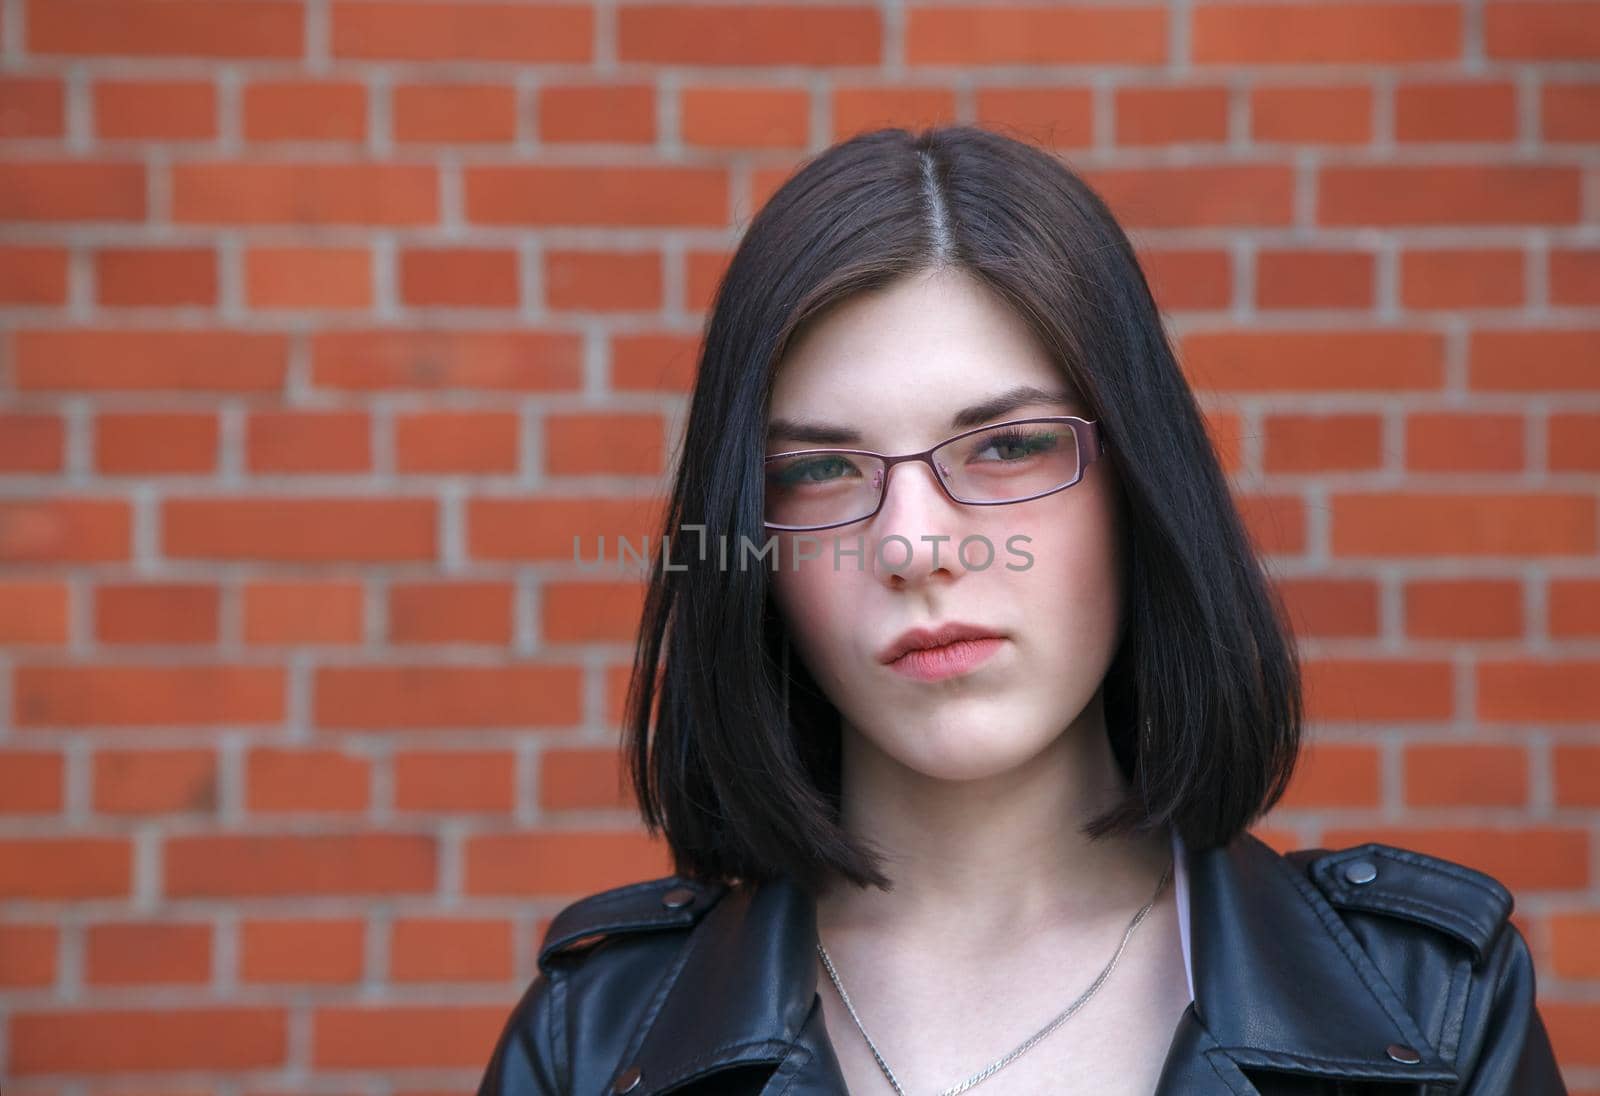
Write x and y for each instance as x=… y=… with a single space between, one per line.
x=977 y=862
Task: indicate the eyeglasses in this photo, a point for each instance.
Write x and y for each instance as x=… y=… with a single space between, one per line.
x=991 y=466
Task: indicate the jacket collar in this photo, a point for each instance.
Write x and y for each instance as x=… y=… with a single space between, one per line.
x=1281 y=984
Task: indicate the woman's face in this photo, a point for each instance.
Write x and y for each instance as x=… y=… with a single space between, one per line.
x=896 y=366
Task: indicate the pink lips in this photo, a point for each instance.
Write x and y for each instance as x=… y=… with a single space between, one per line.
x=937 y=663
x=942 y=651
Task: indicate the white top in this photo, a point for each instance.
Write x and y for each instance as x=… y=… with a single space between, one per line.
x=1180 y=880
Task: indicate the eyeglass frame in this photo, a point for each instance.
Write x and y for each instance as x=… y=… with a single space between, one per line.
x=1086 y=434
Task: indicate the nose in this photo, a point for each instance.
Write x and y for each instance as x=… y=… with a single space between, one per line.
x=916 y=534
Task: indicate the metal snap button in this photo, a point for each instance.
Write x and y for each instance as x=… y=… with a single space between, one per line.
x=1402 y=1053
x=628 y=1081
x=677 y=897
x=1360 y=871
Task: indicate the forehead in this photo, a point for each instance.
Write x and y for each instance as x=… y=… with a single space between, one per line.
x=928 y=354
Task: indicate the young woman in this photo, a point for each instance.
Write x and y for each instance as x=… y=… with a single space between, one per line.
x=956 y=694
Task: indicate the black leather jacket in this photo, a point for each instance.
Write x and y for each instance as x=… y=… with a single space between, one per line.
x=1371 y=969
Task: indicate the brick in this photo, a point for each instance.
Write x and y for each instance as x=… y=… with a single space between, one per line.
x=1054 y=117
x=1413 y=523
x=1554 y=30
x=1448 y=441
x=157 y=612
x=72 y=190
x=1197 y=196
x=1335 y=775
x=460 y=277
x=1314 y=443
x=457 y=781
x=603 y=281
x=31 y=782
x=1463 y=609
x=451 y=612
x=64 y=530
x=455 y=113
x=1461 y=277
x=449 y=950
x=154 y=443
x=1338 y=114
x=648 y=362
x=32 y=275
x=605 y=113
x=300 y=529
x=555 y=864
x=167 y=277
x=33 y=611
x=264 y=865
x=28 y=955
x=308 y=278
x=1064 y=34
x=1455 y=111
x=768 y=34
x=858 y=109
x=127 y=695
x=1574 y=275
x=590 y=612
x=164 y=782
x=304 y=110
x=147 y=360
x=544 y=529
x=1170 y=115
x=374 y=194
x=1530 y=690
x=1533 y=360
x=582 y=779
x=604 y=444
x=301 y=951
x=1574 y=440
x=436 y=360
x=30 y=442
x=302 y=781
x=738 y=117
x=1387 y=689
x=36 y=106
x=1448 y=194
x=445 y=442
x=327 y=612
x=164 y=110
x=405 y=1036
x=297 y=442
x=1570 y=112
x=1303 y=361
x=461 y=31
x=1194 y=278
x=1328 y=33
x=400 y=697
x=136 y=953
x=113 y=1041
x=166 y=28
x=664 y=196
x=1332 y=606
x=64 y=868
x=1574 y=608
x=1314 y=279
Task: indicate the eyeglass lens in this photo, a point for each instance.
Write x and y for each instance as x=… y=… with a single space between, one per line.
x=1006 y=463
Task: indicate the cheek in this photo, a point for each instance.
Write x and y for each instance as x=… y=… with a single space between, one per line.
x=814 y=598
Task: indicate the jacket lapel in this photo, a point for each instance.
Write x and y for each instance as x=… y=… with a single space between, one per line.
x=1280 y=984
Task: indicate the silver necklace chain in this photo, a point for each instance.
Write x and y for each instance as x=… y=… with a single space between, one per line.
x=1033 y=1039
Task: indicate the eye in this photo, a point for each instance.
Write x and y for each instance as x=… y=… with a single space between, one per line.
x=1016 y=444
x=818 y=469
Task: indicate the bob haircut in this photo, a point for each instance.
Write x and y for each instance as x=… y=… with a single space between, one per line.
x=746 y=788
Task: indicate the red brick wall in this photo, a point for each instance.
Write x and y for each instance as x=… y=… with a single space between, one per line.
x=327 y=323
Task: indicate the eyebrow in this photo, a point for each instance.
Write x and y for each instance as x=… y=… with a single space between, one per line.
x=824 y=433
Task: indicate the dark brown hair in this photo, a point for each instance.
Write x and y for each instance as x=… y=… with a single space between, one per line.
x=1202 y=698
